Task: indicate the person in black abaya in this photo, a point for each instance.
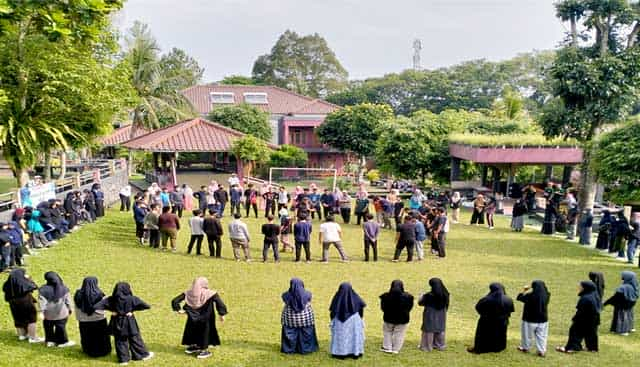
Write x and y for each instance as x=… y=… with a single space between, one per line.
x=495 y=310
x=200 y=330
x=123 y=325
x=94 y=331
x=604 y=231
x=586 y=320
x=550 y=214
x=598 y=279
x=18 y=291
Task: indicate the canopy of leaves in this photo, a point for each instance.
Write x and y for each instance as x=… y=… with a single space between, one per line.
x=237 y=80
x=472 y=85
x=251 y=149
x=617 y=161
x=245 y=118
x=354 y=128
x=288 y=156
x=415 y=146
x=180 y=70
x=303 y=64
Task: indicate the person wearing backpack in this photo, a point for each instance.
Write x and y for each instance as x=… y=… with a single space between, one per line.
x=440 y=230
x=251 y=200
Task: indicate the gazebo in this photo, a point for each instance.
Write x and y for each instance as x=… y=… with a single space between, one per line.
x=190 y=136
x=117 y=137
x=507 y=158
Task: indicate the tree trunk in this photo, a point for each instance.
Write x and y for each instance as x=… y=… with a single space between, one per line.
x=574 y=32
x=63 y=163
x=47 y=166
x=130 y=162
x=22 y=176
x=362 y=165
x=633 y=36
x=587 y=185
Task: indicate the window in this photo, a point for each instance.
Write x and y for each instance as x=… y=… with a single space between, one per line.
x=222 y=97
x=298 y=137
x=255 y=98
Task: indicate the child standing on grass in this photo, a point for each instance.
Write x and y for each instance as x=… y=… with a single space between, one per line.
x=197 y=232
x=371 y=231
x=151 y=226
x=535 y=321
x=285 y=229
x=55 y=304
x=123 y=324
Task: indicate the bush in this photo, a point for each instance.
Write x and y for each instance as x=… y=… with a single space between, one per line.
x=373 y=175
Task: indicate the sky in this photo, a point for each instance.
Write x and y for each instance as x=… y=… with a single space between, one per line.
x=370 y=37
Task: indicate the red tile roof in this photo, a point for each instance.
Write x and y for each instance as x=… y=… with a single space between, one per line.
x=196 y=135
x=121 y=135
x=279 y=101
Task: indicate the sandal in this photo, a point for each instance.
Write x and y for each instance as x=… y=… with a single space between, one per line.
x=564 y=350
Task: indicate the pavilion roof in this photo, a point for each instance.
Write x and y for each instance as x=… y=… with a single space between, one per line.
x=525 y=155
x=196 y=135
x=121 y=135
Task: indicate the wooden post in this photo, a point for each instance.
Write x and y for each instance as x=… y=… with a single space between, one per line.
x=76 y=181
x=174 y=178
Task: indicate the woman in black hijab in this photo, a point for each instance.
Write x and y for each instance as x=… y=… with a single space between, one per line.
x=434 y=316
x=298 y=321
x=55 y=304
x=123 y=325
x=347 y=326
x=535 y=320
x=495 y=310
x=18 y=291
x=586 y=320
x=598 y=279
x=94 y=332
x=396 y=306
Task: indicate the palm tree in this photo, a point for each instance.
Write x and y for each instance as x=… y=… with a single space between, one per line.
x=156 y=91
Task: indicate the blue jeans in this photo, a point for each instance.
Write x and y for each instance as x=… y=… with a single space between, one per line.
x=221 y=206
x=631 y=250
x=5 y=251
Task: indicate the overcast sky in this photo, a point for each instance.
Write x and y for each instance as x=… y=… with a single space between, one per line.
x=369 y=37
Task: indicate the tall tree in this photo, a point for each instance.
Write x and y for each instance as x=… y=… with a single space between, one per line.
x=57 y=75
x=617 y=161
x=157 y=88
x=304 y=64
x=180 y=70
x=595 y=83
x=237 y=80
x=355 y=129
x=245 y=118
x=251 y=151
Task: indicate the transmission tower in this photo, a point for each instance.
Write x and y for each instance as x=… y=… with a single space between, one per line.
x=417 y=48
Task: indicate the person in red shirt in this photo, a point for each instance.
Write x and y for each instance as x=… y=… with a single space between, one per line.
x=169 y=226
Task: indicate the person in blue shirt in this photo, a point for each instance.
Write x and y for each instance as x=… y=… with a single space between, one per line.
x=421 y=235
x=164 y=197
x=314 y=198
x=328 y=202
x=302 y=237
x=98 y=195
x=139 y=212
x=16 y=239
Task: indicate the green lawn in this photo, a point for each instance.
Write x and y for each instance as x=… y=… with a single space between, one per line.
x=251 y=334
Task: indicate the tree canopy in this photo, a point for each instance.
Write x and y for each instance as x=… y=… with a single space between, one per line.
x=250 y=150
x=288 y=156
x=303 y=64
x=237 y=80
x=245 y=118
x=617 y=161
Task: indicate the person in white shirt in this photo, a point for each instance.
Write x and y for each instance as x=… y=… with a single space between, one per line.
x=125 y=198
x=233 y=180
x=239 y=236
x=331 y=233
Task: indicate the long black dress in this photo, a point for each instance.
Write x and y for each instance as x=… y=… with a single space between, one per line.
x=495 y=310
x=550 y=214
x=201 y=329
x=18 y=291
x=586 y=320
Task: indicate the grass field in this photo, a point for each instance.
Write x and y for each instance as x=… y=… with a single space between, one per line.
x=251 y=334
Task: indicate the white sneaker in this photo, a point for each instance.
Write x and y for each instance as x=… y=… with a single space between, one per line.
x=51 y=344
x=69 y=343
x=148 y=357
x=36 y=340
x=123 y=363
x=22 y=337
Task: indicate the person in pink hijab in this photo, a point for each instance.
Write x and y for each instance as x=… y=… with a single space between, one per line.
x=200 y=330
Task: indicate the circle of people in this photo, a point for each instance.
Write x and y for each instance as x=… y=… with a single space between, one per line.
x=157 y=212
x=200 y=304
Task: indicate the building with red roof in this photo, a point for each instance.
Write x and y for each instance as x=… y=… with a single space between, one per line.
x=293 y=117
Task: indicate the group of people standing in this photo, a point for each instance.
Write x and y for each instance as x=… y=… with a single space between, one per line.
x=614 y=231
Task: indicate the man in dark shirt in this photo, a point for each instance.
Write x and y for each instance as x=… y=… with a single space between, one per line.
x=222 y=197
x=213 y=229
x=327 y=201
x=440 y=229
x=405 y=238
x=302 y=236
x=202 y=198
x=270 y=198
x=270 y=232
x=169 y=225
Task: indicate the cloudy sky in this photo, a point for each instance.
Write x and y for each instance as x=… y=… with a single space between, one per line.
x=370 y=37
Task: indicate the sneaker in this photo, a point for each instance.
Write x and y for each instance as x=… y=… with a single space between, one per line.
x=69 y=343
x=149 y=356
x=192 y=349
x=204 y=354
x=37 y=339
x=22 y=337
x=124 y=363
x=51 y=344
x=385 y=350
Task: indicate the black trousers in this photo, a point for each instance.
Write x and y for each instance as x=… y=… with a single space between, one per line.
x=55 y=331
x=125 y=203
x=477 y=217
x=402 y=245
x=133 y=344
x=177 y=208
x=316 y=211
x=271 y=243
x=361 y=217
x=217 y=252
x=442 y=242
x=269 y=208
x=578 y=332
x=307 y=250
x=99 y=208
x=326 y=211
x=373 y=245
x=248 y=206
x=139 y=230
x=154 y=238
x=197 y=239
x=346 y=215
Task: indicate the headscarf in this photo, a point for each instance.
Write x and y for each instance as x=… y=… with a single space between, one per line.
x=121 y=299
x=439 y=294
x=296 y=297
x=629 y=287
x=539 y=298
x=17 y=285
x=598 y=279
x=199 y=293
x=345 y=303
x=88 y=295
x=589 y=295
x=54 y=289
x=606 y=217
